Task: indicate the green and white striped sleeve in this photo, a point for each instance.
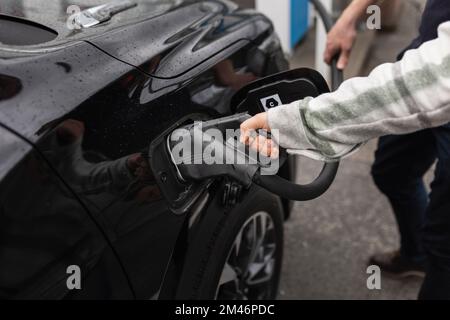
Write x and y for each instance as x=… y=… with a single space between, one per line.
x=396 y=98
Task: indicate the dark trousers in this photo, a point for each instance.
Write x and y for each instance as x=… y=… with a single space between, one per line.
x=423 y=219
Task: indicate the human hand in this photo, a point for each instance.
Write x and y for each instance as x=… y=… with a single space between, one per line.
x=260 y=143
x=340 y=41
x=139 y=167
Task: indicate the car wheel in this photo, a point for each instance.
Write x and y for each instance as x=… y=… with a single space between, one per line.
x=242 y=255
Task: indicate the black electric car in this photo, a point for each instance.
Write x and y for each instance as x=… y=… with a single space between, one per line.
x=85 y=87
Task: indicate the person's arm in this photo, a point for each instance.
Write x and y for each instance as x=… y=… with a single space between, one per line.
x=342 y=36
x=398 y=98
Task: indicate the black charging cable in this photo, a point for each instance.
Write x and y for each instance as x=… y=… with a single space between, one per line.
x=286 y=188
x=337 y=76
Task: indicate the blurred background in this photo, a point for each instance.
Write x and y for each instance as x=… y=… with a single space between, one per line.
x=328 y=241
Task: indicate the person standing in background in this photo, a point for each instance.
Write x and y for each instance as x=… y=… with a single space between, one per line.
x=402 y=160
x=408 y=96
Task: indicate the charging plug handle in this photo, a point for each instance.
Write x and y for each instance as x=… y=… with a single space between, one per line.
x=298 y=192
x=245 y=173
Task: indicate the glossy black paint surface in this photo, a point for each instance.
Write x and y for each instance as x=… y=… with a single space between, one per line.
x=75 y=186
x=44 y=229
x=55 y=15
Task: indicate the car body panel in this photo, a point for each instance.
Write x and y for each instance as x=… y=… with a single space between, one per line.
x=45 y=230
x=13 y=150
x=197 y=32
x=70 y=75
x=91 y=104
x=53 y=84
x=56 y=15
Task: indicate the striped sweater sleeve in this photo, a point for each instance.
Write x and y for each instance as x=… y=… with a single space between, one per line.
x=396 y=98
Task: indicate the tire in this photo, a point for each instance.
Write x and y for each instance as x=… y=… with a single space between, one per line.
x=209 y=262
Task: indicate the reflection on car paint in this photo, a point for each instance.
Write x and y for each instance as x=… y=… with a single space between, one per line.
x=44 y=229
x=91 y=118
x=9 y=86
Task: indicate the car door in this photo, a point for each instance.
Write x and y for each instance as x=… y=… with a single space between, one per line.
x=100 y=149
x=50 y=245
